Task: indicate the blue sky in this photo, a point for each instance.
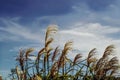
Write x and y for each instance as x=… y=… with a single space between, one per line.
x=88 y=23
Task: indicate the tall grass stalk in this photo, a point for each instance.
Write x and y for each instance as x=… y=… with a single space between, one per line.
x=54 y=64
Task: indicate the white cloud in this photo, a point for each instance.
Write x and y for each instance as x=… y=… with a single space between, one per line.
x=87 y=36
x=95 y=28
x=17 y=31
x=72 y=32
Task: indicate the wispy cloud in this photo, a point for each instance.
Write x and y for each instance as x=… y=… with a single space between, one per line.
x=15 y=31
x=73 y=32
x=95 y=28
x=89 y=35
x=85 y=35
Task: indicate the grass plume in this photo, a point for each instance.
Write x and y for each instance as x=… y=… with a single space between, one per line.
x=54 y=64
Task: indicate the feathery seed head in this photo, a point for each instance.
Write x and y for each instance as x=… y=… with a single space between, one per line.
x=28 y=52
x=67 y=47
x=76 y=59
x=51 y=29
x=108 y=51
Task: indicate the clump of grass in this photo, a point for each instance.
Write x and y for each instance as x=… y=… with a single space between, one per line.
x=103 y=66
x=54 y=64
